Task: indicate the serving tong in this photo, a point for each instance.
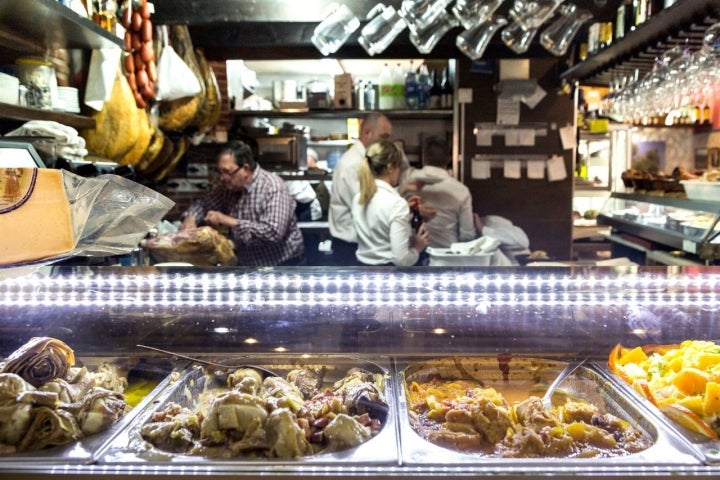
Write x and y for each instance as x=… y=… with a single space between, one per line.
x=209 y=363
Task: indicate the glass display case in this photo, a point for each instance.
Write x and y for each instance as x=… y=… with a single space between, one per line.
x=506 y=330
x=665 y=224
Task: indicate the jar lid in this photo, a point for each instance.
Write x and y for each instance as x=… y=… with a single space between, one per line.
x=32 y=61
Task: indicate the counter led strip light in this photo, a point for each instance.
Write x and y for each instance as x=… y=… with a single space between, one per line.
x=360 y=289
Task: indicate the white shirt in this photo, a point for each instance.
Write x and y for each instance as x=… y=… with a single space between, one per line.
x=345 y=185
x=503 y=229
x=454 y=220
x=383 y=228
x=303 y=192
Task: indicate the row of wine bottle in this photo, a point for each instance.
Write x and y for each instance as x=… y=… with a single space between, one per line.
x=414 y=89
x=630 y=15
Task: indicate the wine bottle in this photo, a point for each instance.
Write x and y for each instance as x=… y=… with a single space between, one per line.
x=629 y=22
x=654 y=7
x=640 y=11
x=435 y=91
x=416 y=220
x=423 y=80
x=447 y=90
x=620 y=22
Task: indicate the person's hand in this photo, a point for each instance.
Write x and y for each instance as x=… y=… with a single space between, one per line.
x=188 y=223
x=219 y=219
x=427 y=212
x=478 y=223
x=410 y=185
x=421 y=239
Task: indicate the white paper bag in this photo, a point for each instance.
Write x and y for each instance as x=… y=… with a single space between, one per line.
x=104 y=65
x=175 y=78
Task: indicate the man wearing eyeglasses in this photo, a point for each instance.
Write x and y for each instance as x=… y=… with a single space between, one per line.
x=255 y=205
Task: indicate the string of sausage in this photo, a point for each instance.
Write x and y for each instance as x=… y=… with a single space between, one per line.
x=139 y=57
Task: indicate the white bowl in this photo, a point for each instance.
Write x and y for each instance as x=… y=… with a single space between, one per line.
x=702 y=190
x=445 y=257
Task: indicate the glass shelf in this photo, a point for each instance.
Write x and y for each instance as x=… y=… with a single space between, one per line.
x=687 y=225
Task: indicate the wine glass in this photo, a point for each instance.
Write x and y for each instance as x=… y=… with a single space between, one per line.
x=474 y=12
x=557 y=37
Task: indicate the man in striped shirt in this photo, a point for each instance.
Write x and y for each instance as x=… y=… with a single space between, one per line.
x=255 y=205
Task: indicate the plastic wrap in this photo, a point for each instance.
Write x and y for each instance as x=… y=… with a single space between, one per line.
x=92 y=217
x=117 y=213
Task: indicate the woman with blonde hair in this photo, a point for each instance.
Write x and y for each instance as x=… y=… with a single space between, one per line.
x=381 y=216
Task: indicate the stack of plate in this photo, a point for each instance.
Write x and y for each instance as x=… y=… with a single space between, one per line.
x=67 y=99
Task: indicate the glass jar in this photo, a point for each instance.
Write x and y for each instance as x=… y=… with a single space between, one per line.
x=38 y=76
x=105 y=14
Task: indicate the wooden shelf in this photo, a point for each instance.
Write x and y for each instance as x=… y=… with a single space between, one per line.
x=51 y=25
x=686 y=19
x=16 y=112
x=443 y=114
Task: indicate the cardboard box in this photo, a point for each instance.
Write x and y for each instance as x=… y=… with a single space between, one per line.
x=343 y=91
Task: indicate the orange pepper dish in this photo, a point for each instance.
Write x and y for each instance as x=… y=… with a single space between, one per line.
x=683 y=380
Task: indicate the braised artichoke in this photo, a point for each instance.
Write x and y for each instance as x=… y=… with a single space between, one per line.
x=50 y=428
x=285 y=436
x=40 y=360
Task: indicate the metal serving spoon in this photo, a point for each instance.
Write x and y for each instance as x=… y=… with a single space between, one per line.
x=564 y=373
x=208 y=362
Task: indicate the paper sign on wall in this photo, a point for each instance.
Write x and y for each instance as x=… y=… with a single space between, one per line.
x=480 y=169
x=483 y=137
x=508 y=111
x=512 y=169
x=556 y=169
x=536 y=169
x=568 y=137
x=537 y=96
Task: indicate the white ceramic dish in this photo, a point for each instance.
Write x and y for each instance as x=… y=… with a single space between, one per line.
x=702 y=190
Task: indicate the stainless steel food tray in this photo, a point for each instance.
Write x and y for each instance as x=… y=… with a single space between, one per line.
x=707 y=449
x=83 y=451
x=532 y=373
x=128 y=447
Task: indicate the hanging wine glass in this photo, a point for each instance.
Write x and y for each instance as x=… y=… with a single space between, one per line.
x=421 y=14
x=384 y=25
x=533 y=13
x=557 y=37
x=426 y=39
x=517 y=38
x=473 y=12
x=663 y=94
x=528 y=16
x=338 y=24
x=473 y=41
